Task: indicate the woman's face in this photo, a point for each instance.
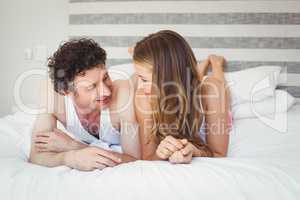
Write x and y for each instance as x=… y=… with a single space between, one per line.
x=144 y=74
x=93 y=89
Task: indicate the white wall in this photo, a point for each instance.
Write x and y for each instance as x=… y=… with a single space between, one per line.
x=27 y=24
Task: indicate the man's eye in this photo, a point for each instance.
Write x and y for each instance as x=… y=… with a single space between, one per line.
x=91 y=87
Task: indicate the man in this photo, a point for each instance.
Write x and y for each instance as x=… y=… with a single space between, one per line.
x=90 y=106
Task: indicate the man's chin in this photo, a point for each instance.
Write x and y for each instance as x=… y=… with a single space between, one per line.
x=101 y=106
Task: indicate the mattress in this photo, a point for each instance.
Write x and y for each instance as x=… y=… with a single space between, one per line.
x=262 y=163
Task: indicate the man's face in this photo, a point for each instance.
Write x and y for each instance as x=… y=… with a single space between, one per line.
x=93 y=89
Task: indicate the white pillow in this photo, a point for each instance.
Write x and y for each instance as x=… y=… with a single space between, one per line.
x=253 y=84
x=279 y=103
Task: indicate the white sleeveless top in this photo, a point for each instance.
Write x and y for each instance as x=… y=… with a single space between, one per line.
x=109 y=137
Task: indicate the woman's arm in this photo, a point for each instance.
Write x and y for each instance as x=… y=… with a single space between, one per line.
x=214 y=98
x=144 y=119
x=122 y=108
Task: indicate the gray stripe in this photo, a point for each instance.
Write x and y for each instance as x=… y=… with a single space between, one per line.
x=293 y=90
x=111 y=62
x=187 y=18
x=78 y=1
x=289 y=67
x=210 y=42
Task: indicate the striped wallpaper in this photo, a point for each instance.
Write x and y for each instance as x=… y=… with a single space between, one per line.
x=246 y=33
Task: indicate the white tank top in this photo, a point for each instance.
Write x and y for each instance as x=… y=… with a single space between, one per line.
x=109 y=137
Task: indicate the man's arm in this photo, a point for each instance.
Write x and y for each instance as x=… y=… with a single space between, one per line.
x=46 y=122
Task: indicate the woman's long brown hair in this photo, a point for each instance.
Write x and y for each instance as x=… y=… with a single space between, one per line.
x=176 y=106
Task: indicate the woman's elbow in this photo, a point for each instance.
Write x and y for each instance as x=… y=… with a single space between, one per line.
x=219 y=154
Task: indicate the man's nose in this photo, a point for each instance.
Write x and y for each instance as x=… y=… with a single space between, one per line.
x=104 y=90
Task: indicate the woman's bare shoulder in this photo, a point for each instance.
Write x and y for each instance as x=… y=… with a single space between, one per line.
x=122 y=99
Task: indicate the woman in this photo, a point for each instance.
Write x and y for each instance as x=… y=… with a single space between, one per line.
x=175 y=101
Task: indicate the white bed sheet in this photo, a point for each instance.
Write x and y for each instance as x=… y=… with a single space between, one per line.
x=262 y=164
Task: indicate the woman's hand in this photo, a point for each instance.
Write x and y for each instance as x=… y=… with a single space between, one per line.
x=183 y=156
x=55 y=141
x=168 y=146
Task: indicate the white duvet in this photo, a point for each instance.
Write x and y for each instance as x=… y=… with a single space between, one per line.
x=262 y=164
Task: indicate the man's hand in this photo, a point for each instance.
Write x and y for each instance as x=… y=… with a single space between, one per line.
x=55 y=141
x=91 y=158
x=168 y=146
x=183 y=156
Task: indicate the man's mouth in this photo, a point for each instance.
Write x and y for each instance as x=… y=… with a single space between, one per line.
x=103 y=100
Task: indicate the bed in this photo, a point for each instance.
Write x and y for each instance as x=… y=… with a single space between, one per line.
x=262 y=163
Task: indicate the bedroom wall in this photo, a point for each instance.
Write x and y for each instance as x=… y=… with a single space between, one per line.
x=247 y=33
x=27 y=25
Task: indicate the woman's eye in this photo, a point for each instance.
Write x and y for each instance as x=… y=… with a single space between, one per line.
x=144 y=80
x=105 y=78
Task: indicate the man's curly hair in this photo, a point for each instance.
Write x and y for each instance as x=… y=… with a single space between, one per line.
x=73 y=58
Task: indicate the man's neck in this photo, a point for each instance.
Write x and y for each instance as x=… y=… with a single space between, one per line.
x=86 y=113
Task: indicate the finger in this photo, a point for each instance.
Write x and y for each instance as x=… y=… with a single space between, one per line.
x=105 y=161
x=41 y=140
x=43 y=134
x=187 y=159
x=173 y=159
x=184 y=141
x=176 y=157
x=161 y=155
x=109 y=155
x=42 y=150
x=187 y=150
x=40 y=146
x=174 y=141
x=169 y=146
x=99 y=166
x=167 y=153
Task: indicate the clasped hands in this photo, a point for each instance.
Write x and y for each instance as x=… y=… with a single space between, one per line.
x=175 y=150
